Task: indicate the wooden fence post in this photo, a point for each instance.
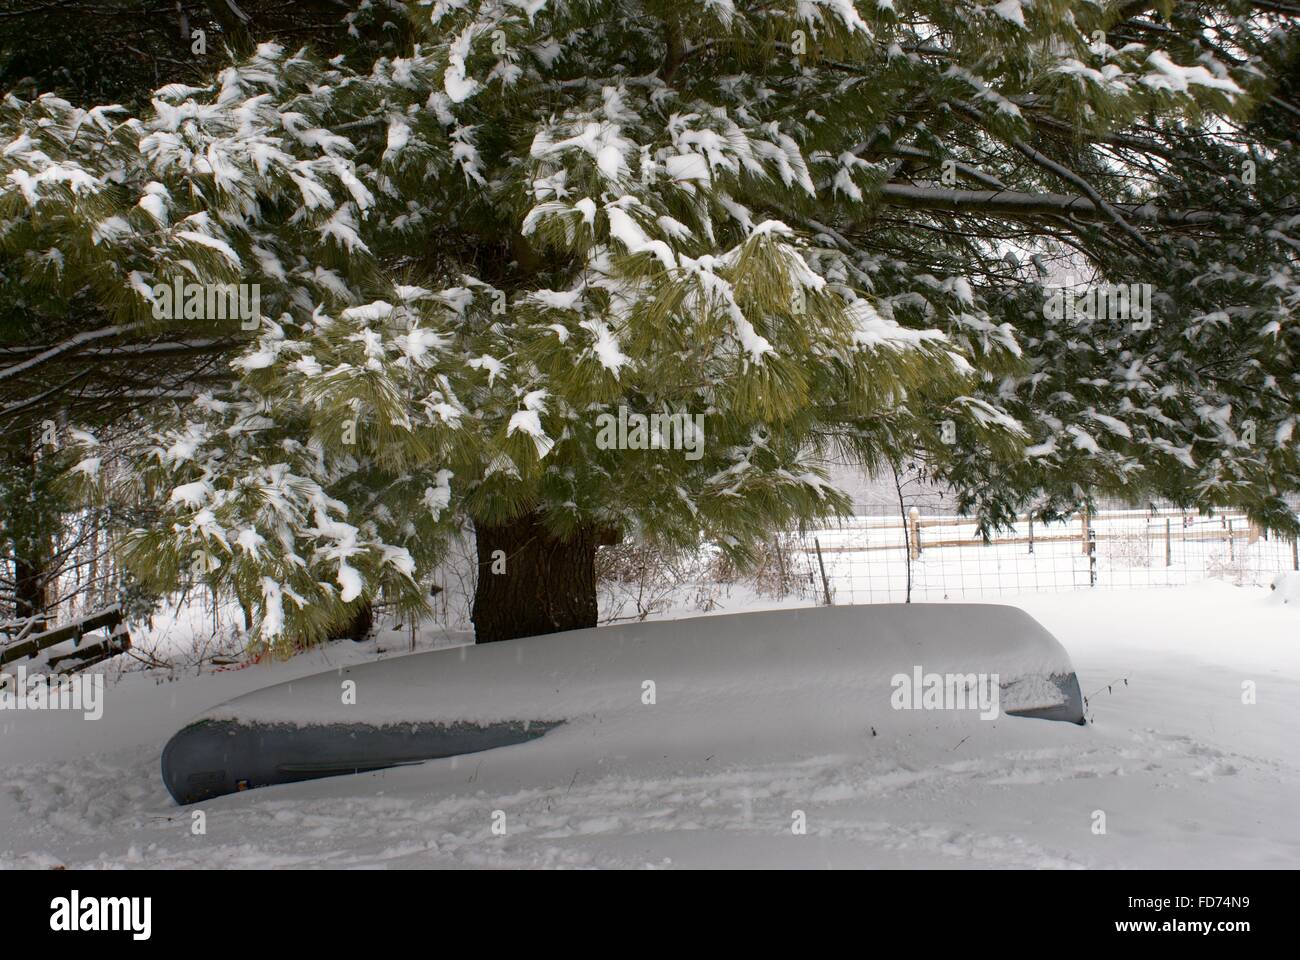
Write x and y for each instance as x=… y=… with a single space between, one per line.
x=826 y=587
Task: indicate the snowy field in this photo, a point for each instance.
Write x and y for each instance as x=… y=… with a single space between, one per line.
x=1185 y=773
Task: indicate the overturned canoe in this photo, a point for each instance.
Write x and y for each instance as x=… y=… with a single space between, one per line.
x=798 y=671
x=210 y=758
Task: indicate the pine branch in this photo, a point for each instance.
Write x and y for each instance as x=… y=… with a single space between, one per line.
x=1018 y=204
x=71 y=345
x=1065 y=173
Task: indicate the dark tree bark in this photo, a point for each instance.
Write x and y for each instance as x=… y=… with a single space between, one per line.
x=356 y=628
x=26 y=530
x=29 y=589
x=537 y=583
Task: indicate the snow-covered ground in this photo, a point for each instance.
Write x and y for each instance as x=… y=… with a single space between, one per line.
x=1186 y=774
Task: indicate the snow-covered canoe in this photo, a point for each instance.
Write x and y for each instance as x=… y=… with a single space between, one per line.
x=786 y=672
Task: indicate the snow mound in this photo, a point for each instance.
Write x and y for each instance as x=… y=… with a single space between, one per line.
x=804 y=678
x=1286 y=590
x=820 y=658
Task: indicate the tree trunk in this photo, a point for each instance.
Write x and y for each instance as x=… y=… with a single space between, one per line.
x=357 y=627
x=28 y=526
x=532 y=583
x=29 y=590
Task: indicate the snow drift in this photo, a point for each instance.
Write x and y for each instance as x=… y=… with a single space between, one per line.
x=1286 y=589
x=800 y=677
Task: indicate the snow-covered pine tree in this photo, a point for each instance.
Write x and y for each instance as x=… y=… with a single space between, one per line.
x=818 y=225
x=106 y=51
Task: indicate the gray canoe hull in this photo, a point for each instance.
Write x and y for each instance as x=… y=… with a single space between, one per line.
x=211 y=758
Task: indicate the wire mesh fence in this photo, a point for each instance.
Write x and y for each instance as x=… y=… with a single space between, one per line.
x=878 y=559
x=863 y=559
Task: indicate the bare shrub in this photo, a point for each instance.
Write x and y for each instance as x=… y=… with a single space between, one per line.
x=1129 y=549
x=1222 y=565
x=783 y=567
x=637 y=579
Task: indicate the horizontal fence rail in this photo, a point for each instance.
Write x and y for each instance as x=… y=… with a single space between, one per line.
x=111 y=621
